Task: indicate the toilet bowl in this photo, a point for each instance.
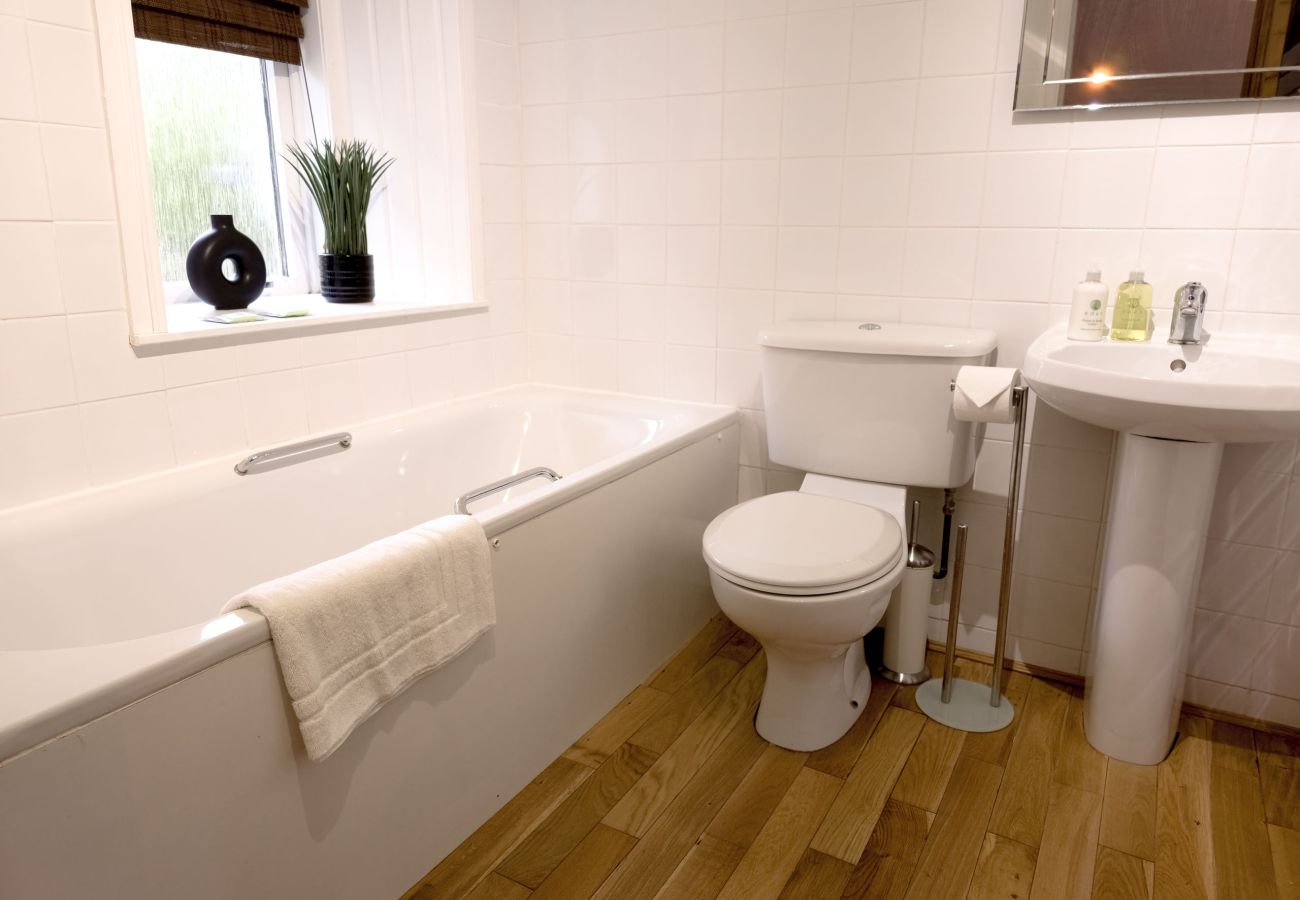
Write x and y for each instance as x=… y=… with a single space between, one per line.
x=808 y=573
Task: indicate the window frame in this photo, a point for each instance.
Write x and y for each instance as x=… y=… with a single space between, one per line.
x=324 y=76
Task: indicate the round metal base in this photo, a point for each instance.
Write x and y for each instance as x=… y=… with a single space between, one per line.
x=968 y=709
x=899 y=678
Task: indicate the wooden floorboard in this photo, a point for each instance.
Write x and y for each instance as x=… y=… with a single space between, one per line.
x=674 y=796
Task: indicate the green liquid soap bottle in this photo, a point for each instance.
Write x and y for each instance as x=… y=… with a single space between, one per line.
x=1132 y=318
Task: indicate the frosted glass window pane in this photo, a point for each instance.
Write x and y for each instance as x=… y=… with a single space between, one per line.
x=211 y=149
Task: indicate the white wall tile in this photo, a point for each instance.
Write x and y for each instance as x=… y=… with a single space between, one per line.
x=755 y=54
x=1015 y=264
x=751 y=124
x=1264 y=271
x=806 y=259
x=961 y=37
x=876 y=190
x=695 y=127
x=940 y=262
x=640 y=368
x=27 y=260
x=1272 y=194
x=814 y=121
x=1196 y=187
x=947 y=189
x=127 y=437
x=23 y=191
x=80 y=179
x=17 y=95
x=642 y=64
x=45 y=455
x=207 y=421
x=35 y=365
x=642 y=254
x=741 y=315
x=689 y=374
x=881 y=118
x=1024 y=189
x=887 y=41
x=751 y=192
x=104 y=363
x=73 y=13
x=275 y=406
x=693 y=255
x=695 y=59
x=747 y=257
x=691 y=316
x=870 y=260
x=817 y=47
x=694 y=193
x=811 y=191
x=953 y=114
x=1106 y=188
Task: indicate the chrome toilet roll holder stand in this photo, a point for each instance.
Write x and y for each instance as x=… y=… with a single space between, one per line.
x=959 y=702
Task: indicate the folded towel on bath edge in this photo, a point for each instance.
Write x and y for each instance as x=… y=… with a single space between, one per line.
x=352 y=633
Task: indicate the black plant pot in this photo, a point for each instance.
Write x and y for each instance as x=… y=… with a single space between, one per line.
x=346 y=278
x=206 y=262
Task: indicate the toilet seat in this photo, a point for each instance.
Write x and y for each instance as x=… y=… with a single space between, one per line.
x=800 y=544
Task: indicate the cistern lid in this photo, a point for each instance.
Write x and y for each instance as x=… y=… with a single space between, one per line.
x=799 y=543
x=880 y=339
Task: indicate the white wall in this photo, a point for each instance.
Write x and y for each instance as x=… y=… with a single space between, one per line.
x=696 y=168
x=77 y=408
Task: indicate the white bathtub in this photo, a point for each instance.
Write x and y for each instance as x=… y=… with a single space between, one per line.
x=146 y=746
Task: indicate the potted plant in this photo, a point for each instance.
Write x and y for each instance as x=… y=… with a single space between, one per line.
x=341 y=177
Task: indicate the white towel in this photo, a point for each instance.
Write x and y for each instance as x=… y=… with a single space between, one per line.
x=353 y=632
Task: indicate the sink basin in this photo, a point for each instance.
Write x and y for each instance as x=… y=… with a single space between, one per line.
x=1232 y=389
x=1174 y=408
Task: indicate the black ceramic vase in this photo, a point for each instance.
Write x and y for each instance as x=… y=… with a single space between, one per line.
x=225 y=268
x=346 y=278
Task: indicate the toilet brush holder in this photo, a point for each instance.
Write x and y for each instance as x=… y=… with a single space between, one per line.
x=908 y=615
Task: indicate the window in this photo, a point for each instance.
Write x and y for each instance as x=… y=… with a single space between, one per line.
x=212 y=127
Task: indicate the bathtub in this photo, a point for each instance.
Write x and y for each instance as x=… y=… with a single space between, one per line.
x=147 y=748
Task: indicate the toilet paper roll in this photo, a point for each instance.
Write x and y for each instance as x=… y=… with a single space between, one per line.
x=983 y=394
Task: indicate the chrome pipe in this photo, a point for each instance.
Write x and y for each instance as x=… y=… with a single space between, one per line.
x=246 y=465
x=1020 y=402
x=463 y=501
x=954 y=610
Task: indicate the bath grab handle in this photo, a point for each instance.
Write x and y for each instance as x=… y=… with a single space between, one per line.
x=463 y=501
x=248 y=464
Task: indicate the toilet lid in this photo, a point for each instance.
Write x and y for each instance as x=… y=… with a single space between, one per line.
x=794 y=542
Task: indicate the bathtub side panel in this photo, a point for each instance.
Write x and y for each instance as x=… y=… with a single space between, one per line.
x=202 y=790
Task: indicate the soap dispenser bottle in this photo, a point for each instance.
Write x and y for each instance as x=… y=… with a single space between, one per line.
x=1132 y=319
x=1088 y=309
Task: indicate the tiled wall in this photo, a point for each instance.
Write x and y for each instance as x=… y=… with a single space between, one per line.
x=697 y=168
x=77 y=408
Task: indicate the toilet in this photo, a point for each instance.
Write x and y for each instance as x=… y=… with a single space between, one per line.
x=865 y=410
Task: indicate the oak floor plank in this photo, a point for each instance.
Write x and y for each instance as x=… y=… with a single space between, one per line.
x=839 y=757
x=683 y=707
x=1078 y=763
x=590 y=862
x=495 y=887
x=852 y=817
x=928 y=769
x=1243 y=864
x=1022 y=802
x=538 y=854
x=887 y=864
x=817 y=877
x=619 y=724
x=748 y=809
x=1119 y=876
x=741 y=647
x=770 y=861
x=703 y=872
x=952 y=847
x=1234 y=747
x=678 y=670
x=661 y=784
x=469 y=863
x=1069 y=849
x=650 y=863
x=1128 y=810
x=1285 y=845
x=1185 y=854
x=1004 y=870
x=994 y=747
x=1279 y=772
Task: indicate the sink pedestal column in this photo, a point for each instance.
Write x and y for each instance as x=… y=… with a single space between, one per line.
x=1161 y=495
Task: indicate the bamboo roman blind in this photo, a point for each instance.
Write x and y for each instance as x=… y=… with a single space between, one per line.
x=267 y=29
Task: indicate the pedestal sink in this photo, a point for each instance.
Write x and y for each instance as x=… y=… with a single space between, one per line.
x=1175 y=407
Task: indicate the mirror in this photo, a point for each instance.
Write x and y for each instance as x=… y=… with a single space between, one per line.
x=1096 y=53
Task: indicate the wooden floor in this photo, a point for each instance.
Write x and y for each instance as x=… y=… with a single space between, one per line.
x=673 y=795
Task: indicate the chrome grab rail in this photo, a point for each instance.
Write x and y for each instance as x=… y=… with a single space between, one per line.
x=463 y=501
x=246 y=465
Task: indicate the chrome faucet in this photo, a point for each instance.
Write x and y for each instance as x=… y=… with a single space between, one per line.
x=1188 y=323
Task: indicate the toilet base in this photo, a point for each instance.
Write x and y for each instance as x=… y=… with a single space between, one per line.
x=813 y=693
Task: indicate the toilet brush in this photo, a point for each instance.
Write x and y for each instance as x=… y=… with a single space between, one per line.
x=908 y=615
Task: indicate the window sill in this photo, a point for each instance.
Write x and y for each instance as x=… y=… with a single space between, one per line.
x=187 y=330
